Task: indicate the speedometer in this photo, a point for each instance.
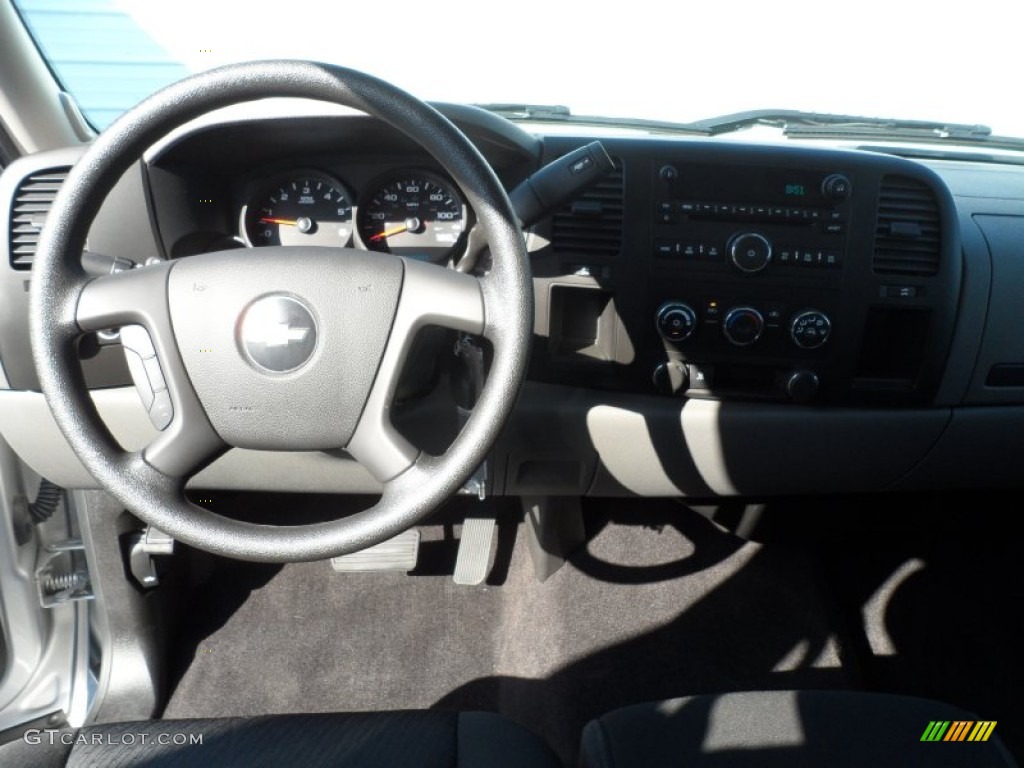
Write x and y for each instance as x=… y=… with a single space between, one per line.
x=415 y=214
x=300 y=209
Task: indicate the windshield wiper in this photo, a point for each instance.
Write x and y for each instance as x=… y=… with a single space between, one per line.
x=817 y=125
x=791 y=122
x=557 y=113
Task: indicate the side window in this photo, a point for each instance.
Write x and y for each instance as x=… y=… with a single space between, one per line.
x=99 y=54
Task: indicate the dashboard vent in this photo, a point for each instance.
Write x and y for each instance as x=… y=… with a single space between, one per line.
x=592 y=223
x=908 y=236
x=32 y=201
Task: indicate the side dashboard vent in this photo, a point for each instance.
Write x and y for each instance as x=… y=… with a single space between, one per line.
x=908 y=236
x=32 y=201
x=592 y=223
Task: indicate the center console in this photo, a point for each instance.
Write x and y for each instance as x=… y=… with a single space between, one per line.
x=750 y=272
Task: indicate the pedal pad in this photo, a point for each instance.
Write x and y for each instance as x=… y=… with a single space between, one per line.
x=474 y=558
x=396 y=554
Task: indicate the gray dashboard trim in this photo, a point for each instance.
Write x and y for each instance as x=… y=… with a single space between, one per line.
x=645 y=445
x=26 y=422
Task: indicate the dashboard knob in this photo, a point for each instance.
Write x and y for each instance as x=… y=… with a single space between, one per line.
x=743 y=326
x=676 y=321
x=669 y=377
x=836 y=187
x=750 y=252
x=810 y=329
x=668 y=173
x=802 y=386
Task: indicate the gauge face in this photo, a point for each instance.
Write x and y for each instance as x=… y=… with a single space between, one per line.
x=414 y=214
x=302 y=209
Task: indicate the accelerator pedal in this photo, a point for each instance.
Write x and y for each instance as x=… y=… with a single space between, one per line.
x=474 y=558
x=396 y=554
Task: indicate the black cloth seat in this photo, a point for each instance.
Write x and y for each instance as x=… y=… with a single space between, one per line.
x=377 y=740
x=837 y=729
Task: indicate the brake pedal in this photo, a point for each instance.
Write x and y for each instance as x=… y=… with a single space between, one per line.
x=474 y=558
x=396 y=554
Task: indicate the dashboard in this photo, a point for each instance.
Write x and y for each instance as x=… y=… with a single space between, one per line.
x=712 y=317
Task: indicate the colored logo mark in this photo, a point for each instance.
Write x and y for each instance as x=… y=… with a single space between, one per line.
x=958 y=730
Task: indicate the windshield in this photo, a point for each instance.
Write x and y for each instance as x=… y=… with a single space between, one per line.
x=647 y=59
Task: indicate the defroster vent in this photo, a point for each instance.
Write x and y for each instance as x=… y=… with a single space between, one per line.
x=32 y=201
x=592 y=223
x=908 y=237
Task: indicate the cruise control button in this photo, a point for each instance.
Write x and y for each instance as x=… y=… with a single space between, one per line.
x=156 y=376
x=138 y=371
x=162 y=411
x=136 y=338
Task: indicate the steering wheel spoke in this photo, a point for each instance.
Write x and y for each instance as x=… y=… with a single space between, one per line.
x=431 y=295
x=136 y=302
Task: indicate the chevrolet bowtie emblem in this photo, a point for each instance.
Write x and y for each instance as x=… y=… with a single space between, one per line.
x=278 y=334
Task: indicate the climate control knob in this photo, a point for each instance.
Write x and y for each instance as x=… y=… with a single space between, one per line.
x=750 y=252
x=743 y=326
x=810 y=329
x=676 y=321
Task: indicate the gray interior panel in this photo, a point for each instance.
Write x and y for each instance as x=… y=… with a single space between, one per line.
x=981 y=448
x=26 y=423
x=1003 y=344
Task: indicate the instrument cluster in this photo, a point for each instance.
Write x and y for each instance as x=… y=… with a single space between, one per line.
x=408 y=212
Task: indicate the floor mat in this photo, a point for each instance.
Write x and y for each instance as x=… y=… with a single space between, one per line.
x=660 y=603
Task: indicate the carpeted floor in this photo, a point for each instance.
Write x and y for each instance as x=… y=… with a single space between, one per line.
x=660 y=603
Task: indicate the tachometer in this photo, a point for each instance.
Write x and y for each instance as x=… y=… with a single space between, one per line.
x=301 y=209
x=415 y=214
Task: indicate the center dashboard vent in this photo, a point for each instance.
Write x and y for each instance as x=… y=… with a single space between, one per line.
x=908 y=236
x=592 y=223
x=32 y=202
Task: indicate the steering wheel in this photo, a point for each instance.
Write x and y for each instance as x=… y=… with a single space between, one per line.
x=276 y=348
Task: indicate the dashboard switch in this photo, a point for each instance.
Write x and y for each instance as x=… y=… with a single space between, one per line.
x=670 y=377
x=802 y=386
x=810 y=329
x=676 y=321
x=743 y=326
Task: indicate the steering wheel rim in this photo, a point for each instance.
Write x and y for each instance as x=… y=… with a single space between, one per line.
x=65 y=303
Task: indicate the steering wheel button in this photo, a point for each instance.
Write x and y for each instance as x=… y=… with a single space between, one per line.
x=156 y=376
x=162 y=411
x=136 y=338
x=138 y=371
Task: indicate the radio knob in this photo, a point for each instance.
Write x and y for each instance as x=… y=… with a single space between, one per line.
x=810 y=329
x=676 y=321
x=836 y=187
x=750 y=252
x=743 y=326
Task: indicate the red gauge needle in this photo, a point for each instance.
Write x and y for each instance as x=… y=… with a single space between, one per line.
x=304 y=224
x=389 y=232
